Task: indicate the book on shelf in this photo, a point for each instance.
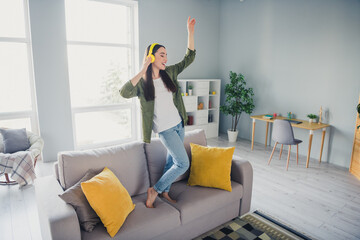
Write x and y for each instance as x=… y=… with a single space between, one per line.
x=268 y=116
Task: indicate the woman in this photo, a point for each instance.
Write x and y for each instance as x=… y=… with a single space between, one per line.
x=163 y=109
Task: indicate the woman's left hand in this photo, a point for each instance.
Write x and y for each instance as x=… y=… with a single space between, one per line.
x=190 y=25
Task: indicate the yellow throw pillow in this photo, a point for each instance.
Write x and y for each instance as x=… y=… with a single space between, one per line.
x=109 y=199
x=211 y=166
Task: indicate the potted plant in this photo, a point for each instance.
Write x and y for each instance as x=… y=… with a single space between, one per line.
x=238 y=99
x=190 y=90
x=312 y=117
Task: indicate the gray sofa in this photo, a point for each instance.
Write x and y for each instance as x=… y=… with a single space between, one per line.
x=138 y=166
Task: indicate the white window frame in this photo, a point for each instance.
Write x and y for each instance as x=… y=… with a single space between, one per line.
x=32 y=114
x=134 y=48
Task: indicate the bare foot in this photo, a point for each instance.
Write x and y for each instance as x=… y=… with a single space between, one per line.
x=167 y=197
x=151 y=196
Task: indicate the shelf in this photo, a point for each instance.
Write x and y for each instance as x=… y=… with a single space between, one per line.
x=200 y=94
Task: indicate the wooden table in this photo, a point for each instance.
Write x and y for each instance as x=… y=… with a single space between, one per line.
x=304 y=125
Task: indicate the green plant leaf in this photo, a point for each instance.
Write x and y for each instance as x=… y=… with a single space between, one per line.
x=238 y=98
x=312 y=116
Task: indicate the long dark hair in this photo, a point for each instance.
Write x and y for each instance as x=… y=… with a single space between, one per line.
x=149 y=90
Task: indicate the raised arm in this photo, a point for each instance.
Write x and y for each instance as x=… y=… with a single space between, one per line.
x=146 y=64
x=128 y=90
x=190 y=28
x=189 y=57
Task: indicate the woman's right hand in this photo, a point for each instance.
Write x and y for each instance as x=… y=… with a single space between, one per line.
x=142 y=73
x=146 y=64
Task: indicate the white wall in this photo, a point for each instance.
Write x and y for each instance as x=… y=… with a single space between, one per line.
x=47 y=19
x=298 y=56
x=164 y=22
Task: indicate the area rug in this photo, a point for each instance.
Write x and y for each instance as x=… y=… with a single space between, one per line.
x=256 y=225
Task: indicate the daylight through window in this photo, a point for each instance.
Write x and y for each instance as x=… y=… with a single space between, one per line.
x=102 y=55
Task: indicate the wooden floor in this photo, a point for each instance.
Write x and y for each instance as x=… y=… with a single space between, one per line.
x=323 y=201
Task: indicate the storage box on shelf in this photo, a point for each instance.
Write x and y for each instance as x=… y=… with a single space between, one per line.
x=203 y=104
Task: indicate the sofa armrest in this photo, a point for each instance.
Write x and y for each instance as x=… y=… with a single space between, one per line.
x=242 y=172
x=58 y=220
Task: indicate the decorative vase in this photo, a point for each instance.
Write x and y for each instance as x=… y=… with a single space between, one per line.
x=310 y=120
x=232 y=135
x=190 y=92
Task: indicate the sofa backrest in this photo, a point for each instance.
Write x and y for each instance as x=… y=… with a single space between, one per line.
x=126 y=161
x=156 y=154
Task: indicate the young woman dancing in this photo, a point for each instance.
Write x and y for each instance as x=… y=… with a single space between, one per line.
x=163 y=109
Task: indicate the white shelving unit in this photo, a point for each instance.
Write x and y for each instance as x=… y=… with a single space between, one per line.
x=207 y=92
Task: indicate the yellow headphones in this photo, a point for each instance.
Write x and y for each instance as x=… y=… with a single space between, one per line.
x=151 y=52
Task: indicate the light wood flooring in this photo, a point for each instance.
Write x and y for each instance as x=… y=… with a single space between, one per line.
x=322 y=201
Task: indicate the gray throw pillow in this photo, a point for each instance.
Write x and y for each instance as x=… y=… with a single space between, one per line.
x=1 y=143
x=15 y=140
x=76 y=198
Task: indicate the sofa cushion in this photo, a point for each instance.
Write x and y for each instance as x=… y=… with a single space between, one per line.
x=76 y=198
x=109 y=199
x=196 y=136
x=15 y=140
x=194 y=202
x=127 y=161
x=142 y=223
x=211 y=166
x=156 y=154
x=1 y=143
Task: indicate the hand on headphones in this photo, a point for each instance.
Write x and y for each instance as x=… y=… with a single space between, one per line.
x=146 y=63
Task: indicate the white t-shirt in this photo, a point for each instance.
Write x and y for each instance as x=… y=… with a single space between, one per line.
x=166 y=114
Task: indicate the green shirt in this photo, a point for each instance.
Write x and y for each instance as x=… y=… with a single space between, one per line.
x=147 y=107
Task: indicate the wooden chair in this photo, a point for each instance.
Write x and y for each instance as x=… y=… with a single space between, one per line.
x=283 y=133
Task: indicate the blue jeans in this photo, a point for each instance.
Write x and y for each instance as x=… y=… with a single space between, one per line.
x=177 y=160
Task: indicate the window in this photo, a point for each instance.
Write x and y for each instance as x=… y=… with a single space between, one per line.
x=17 y=97
x=102 y=38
